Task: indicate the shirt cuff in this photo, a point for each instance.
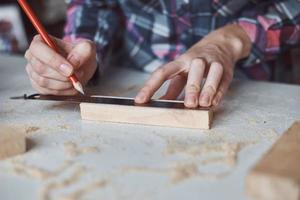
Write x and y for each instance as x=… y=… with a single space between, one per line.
x=258 y=40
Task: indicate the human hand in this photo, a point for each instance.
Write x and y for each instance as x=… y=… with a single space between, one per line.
x=48 y=70
x=214 y=57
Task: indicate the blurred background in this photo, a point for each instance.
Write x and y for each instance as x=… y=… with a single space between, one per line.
x=16 y=32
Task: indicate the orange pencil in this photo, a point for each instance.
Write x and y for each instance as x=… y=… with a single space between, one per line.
x=41 y=30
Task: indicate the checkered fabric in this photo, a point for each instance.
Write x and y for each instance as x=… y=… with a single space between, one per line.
x=148 y=33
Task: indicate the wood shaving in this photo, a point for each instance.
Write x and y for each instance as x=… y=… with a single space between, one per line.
x=22 y=168
x=183 y=172
x=180 y=172
x=31 y=129
x=78 y=194
x=73 y=150
x=143 y=169
x=46 y=191
x=64 y=127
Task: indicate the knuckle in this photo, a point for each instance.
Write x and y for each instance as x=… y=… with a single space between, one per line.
x=42 y=81
x=192 y=88
x=53 y=60
x=34 y=46
x=198 y=62
x=220 y=93
x=211 y=89
x=27 y=68
x=160 y=73
x=55 y=92
x=212 y=47
x=38 y=66
x=42 y=91
x=37 y=37
x=87 y=46
x=27 y=55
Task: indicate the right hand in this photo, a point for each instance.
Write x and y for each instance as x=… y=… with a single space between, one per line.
x=49 y=71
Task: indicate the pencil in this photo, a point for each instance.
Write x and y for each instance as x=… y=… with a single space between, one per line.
x=42 y=31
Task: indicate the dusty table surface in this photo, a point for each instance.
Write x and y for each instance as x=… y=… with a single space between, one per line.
x=68 y=158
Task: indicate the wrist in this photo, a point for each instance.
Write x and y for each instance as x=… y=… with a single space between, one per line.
x=238 y=40
x=234 y=40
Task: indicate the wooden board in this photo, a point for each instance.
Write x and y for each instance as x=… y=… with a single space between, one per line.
x=12 y=142
x=170 y=117
x=277 y=174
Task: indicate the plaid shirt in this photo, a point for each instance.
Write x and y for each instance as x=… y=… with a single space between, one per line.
x=148 y=33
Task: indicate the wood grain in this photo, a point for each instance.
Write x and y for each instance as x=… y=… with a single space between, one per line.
x=170 y=117
x=12 y=142
x=277 y=174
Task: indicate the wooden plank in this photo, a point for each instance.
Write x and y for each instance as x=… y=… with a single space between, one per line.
x=170 y=117
x=12 y=142
x=277 y=175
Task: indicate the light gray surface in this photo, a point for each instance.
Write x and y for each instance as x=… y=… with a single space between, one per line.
x=138 y=161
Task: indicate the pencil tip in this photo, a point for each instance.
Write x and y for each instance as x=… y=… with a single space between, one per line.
x=79 y=87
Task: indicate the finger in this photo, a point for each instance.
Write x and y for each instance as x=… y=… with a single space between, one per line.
x=223 y=88
x=193 y=85
x=156 y=80
x=62 y=45
x=211 y=84
x=28 y=55
x=48 y=56
x=81 y=53
x=43 y=90
x=79 y=74
x=48 y=82
x=46 y=71
x=175 y=88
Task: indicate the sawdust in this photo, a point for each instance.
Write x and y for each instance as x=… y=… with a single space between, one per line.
x=79 y=194
x=7 y=112
x=45 y=192
x=64 y=127
x=179 y=172
x=73 y=150
x=202 y=149
x=24 y=169
x=268 y=134
x=31 y=129
x=183 y=172
x=204 y=154
x=142 y=169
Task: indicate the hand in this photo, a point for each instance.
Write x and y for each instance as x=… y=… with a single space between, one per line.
x=49 y=71
x=214 y=57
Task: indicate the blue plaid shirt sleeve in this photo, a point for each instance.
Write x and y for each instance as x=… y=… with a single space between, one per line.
x=272 y=28
x=96 y=20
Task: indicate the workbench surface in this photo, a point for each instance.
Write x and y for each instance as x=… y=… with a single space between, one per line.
x=68 y=158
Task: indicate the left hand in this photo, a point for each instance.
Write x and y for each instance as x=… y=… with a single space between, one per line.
x=214 y=57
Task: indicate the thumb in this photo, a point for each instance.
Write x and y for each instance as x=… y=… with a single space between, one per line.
x=81 y=53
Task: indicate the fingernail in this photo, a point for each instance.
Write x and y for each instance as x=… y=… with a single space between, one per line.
x=73 y=60
x=216 y=101
x=205 y=99
x=66 y=69
x=191 y=101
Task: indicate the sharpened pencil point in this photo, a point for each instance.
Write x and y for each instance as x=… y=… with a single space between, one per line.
x=78 y=87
